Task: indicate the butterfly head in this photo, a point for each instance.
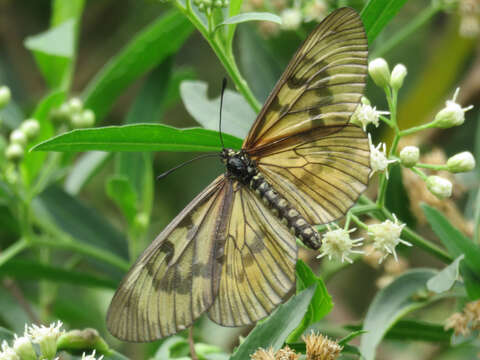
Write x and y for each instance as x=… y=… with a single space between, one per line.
x=239 y=165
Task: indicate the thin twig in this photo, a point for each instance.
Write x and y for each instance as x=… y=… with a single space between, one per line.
x=191 y=344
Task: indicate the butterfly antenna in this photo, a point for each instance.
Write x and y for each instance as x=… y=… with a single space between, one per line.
x=224 y=85
x=161 y=176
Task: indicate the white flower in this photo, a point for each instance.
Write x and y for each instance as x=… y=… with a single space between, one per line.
x=8 y=353
x=378 y=158
x=409 y=155
x=386 y=237
x=379 y=71
x=91 y=356
x=291 y=19
x=17 y=136
x=398 y=74
x=45 y=337
x=23 y=347
x=461 y=162
x=315 y=10
x=75 y=105
x=30 y=128
x=337 y=244
x=14 y=152
x=452 y=114
x=366 y=114
x=438 y=186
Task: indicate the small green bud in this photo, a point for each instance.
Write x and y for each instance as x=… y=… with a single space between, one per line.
x=24 y=348
x=398 y=74
x=141 y=221
x=17 y=136
x=88 y=117
x=31 y=128
x=452 y=114
x=5 y=96
x=75 y=340
x=379 y=71
x=75 y=105
x=409 y=156
x=14 y=152
x=438 y=186
x=461 y=162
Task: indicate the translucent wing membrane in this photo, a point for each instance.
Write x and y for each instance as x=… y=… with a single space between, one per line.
x=259 y=263
x=321 y=86
x=176 y=279
x=322 y=175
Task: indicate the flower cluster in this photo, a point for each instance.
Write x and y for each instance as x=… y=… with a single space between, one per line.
x=73 y=113
x=318 y=347
x=208 y=5
x=463 y=323
x=19 y=139
x=337 y=244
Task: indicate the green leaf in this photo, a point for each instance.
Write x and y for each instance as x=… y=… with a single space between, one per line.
x=237 y=115
x=84 y=169
x=274 y=330
x=252 y=16
x=21 y=269
x=121 y=192
x=33 y=162
x=321 y=303
x=376 y=14
x=64 y=10
x=145 y=51
x=457 y=244
x=139 y=137
x=391 y=304
x=53 y=51
x=445 y=279
x=471 y=280
x=233 y=10
x=345 y=340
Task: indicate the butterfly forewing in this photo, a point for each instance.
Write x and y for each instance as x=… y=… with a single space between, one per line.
x=259 y=262
x=323 y=175
x=176 y=279
x=321 y=86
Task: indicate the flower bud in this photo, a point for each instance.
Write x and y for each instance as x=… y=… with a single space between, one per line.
x=75 y=105
x=5 y=96
x=461 y=162
x=291 y=19
x=24 y=348
x=409 y=156
x=438 y=186
x=30 y=128
x=452 y=114
x=379 y=71
x=8 y=353
x=88 y=117
x=62 y=114
x=17 y=136
x=14 y=152
x=398 y=74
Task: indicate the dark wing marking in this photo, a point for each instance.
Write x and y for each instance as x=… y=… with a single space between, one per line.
x=259 y=263
x=322 y=84
x=176 y=279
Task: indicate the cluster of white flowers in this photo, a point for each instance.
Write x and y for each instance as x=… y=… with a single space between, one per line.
x=337 y=244
x=204 y=5
x=378 y=157
x=20 y=137
x=73 y=113
x=365 y=114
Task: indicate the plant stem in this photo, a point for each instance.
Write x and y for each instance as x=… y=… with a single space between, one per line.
x=417 y=240
x=421 y=19
x=431 y=166
x=415 y=129
x=227 y=59
x=13 y=250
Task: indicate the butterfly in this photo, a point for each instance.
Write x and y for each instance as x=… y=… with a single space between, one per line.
x=231 y=253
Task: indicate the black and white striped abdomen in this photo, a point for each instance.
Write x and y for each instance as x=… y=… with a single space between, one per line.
x=285 y=211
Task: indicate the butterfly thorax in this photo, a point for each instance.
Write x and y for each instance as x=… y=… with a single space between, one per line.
x=243 y=169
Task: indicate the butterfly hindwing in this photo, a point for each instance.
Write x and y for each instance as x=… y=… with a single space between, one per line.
x=176 y=279
x=259 y=262
x=322 y=84
x=323 y=175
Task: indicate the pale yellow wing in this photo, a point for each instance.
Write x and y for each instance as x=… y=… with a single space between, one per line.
x=176 y=279
x=321 y=175
x=322 y=84
x=259 y=263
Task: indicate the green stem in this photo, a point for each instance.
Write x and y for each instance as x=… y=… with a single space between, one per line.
x=419 y=173
x=415 y=129
x=225 y=58
x=421 y=19
x=431 y=166
x=417 y=240
x=13 y=250
x=359 y=222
